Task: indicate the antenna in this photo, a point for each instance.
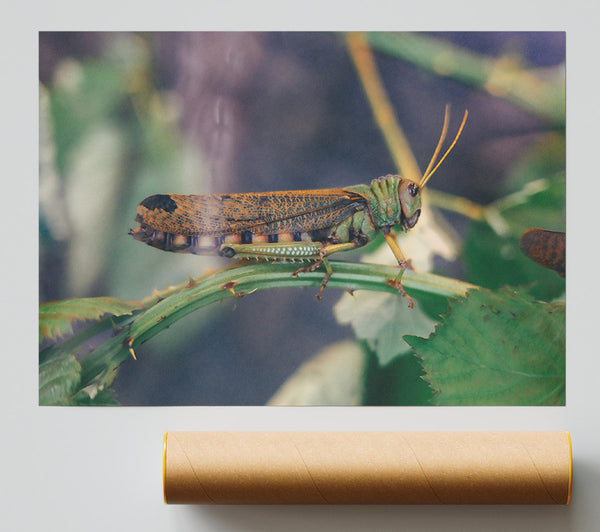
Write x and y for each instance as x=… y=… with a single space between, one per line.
x=429 y=172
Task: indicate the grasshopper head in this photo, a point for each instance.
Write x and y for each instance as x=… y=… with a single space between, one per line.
x=410 y=202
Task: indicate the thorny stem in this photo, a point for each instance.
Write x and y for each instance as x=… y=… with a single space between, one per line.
x=242 y=279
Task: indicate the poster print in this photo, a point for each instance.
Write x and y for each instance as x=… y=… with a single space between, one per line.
x=393 y=292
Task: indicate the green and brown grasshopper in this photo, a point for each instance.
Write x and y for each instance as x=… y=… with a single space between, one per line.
x=300 y=225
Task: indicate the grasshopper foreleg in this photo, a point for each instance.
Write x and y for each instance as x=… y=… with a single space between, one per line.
x=390 y=238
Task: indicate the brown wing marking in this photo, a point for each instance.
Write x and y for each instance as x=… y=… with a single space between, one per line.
x=259 y=213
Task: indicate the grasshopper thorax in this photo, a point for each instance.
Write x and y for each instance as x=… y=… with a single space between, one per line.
x=392 y=200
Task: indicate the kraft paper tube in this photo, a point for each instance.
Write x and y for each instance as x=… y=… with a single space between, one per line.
x=367 y=467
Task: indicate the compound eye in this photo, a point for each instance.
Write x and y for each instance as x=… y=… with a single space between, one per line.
x=413 y=189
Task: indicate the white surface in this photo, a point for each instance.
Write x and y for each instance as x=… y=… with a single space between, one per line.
x=100 y=469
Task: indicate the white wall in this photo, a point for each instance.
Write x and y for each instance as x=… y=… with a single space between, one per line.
x=100 y=469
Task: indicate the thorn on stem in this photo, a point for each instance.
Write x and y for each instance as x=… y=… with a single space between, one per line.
x=129 y=345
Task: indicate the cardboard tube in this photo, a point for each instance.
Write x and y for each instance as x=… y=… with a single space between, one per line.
x=367 y=467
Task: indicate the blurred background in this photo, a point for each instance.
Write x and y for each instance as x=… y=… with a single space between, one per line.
x=127 y=115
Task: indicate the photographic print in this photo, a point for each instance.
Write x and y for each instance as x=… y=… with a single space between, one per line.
x=302 y=218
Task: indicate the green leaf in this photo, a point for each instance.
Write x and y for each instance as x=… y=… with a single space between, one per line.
x=59 y=378
x=495 y=260
x=536 y=189
x=545 y=160
x=381 y=320
x=398 y=383
x=540 y=203
x=497 y=348
x=57 y=317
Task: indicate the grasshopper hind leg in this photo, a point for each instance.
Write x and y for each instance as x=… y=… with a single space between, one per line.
x=326 y=250
x=289 y=251
x=314 y=266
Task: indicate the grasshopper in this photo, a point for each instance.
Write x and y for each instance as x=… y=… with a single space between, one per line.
x=301 y=225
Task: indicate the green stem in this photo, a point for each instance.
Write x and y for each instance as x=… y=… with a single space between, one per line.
x=457 y=204
x=501 y=77
x=241 y=279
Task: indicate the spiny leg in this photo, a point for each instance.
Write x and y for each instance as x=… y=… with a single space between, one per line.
x=390 y=238
x=328 y=272
x=311 y=251
x=323 y=253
